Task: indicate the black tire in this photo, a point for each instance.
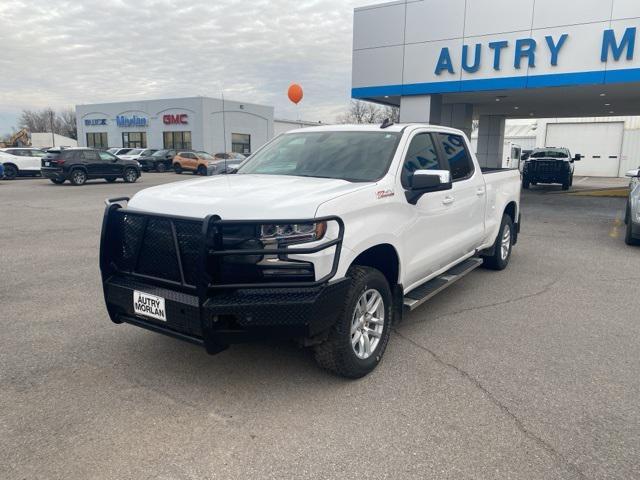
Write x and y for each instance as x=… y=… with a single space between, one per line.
x=161 y=167
x=498 y=260
x=337 y=353
x=571 y=181
x=202 y=170
x=525 y=183
x=566 y=184
x=78 y=177
x=177 y=168
x=10 y=172
x=629 y=239
x=111 y=180
x=130 y=175
x=57 y=181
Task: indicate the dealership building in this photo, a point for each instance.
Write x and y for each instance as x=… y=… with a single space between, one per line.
x=450 y=62
x=198 y=123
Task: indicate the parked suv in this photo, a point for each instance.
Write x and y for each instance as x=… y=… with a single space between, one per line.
x=81 y=164
x=196 y=162
x=632 y=217
x=159 y=161
x=21 y=162
x=549 y=165
x=136 y=153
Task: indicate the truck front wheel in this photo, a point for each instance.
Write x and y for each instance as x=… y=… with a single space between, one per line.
x=357 y=341
x=499 y=259
x=525 y=183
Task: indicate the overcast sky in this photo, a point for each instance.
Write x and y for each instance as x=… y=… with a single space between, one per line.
x=62 y=53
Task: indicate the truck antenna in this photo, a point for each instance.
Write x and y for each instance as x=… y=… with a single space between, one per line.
x=387 y=122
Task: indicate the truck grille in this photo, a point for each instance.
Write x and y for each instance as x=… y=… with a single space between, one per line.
x=541 y=166
x=204 y=255
x=156 y=246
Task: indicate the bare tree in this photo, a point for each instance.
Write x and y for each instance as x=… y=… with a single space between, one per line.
x=68 y=121
x=367 y=112
x=48 y=120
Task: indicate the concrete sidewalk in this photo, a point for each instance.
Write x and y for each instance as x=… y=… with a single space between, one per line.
x=591 y=187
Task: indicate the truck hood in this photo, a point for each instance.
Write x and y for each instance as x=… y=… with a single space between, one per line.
x=244 y=197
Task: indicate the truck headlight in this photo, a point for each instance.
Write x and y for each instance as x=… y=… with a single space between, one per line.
x=293 y=233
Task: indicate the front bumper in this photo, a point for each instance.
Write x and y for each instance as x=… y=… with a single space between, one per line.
x=205 y=304
x=237 y=316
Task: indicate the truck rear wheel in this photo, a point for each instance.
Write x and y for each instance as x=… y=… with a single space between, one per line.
x=359 y=338
x=502 y=246
x=10 y=172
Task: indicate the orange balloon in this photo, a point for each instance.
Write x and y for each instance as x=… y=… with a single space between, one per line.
x=295 y=93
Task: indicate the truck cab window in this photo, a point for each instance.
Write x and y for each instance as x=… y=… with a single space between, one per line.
x=421 y=155
x=457 y=155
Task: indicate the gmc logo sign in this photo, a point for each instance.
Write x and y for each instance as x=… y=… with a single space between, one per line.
x=178 y=119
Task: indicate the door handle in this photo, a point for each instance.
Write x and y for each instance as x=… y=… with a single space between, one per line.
x=480 y=191
x=448 y=200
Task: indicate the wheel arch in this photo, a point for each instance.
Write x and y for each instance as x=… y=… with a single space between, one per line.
x=511 y=209
x=10 y=164
x=383 y=257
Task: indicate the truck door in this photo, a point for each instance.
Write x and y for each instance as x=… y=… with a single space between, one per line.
x=467 y=198
x=426 y=241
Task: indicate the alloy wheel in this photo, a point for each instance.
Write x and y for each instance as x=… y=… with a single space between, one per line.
x=505 y=243
x=367 y=323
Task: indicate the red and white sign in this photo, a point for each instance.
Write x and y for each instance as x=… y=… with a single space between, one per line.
x=177 y=119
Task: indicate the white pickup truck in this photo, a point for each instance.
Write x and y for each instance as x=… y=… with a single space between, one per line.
x=325 y=235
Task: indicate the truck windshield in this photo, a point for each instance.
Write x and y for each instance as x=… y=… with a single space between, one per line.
x=350 y=156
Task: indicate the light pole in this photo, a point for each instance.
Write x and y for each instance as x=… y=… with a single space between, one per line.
x=53 y=135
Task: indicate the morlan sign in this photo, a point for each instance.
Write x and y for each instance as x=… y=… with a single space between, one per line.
x=525 y=51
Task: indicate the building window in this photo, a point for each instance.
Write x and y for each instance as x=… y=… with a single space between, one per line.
x=134 y=139
x=241 y=143
x=97 y=140
x=177 y=140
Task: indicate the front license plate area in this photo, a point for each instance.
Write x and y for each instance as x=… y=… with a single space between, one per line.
x=149 y=306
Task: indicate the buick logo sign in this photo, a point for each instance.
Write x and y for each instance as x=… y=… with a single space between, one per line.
x=95 y=121
x=178 y=119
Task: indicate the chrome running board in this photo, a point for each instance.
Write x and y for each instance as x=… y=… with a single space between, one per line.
x=427 y=290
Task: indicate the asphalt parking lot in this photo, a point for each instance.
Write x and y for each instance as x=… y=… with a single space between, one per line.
x=529 y=373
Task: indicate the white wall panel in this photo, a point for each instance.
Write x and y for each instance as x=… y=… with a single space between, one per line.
x=625 y=9
x=550 y=13
x=485 y=17
x=430 y=20
x=630 y=151
x=377 y=66
x=378 y=27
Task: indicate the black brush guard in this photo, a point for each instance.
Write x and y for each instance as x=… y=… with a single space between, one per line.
x=181 y=260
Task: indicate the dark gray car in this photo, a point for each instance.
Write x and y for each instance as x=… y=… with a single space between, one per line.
x=632 y=217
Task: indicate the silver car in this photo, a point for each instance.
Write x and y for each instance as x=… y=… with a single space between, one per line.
x=632 y=217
